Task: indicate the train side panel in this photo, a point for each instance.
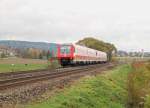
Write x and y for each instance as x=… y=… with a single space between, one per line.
x=88 y=55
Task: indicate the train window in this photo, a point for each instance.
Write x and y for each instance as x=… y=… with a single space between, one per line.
x=65 y=49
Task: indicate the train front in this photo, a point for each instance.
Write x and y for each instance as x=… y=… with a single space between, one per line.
x=65 y=54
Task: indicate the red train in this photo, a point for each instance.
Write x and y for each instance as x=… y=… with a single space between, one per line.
x=69 y=54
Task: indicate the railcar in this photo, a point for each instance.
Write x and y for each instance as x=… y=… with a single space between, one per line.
x=69 y=54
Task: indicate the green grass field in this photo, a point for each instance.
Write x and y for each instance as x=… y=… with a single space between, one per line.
x=103 y=91
x=20 y=67
x=19 y=64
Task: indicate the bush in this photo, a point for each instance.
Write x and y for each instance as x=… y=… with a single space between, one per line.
x=147 y=103
x=3 y=55
x=148 y=65
x=53 y=64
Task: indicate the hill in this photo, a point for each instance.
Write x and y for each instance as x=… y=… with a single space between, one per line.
x=25 y=44
x=24 y=49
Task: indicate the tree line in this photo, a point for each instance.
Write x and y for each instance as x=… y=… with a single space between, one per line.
x=33 y=53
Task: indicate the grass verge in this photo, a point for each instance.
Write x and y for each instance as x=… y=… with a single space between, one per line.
x=102 y=91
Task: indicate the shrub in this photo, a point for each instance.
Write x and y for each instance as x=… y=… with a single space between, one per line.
x=53 y=64
x=147 y=103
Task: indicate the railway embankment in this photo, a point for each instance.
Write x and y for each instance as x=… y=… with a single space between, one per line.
x=107 y=90
x=22 y=88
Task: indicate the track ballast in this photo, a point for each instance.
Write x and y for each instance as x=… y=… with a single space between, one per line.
x=20 y=78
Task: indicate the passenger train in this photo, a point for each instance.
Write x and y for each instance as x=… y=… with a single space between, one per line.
x=70 y=54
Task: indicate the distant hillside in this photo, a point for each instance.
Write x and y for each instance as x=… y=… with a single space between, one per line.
x=121 y=53
x=25 y=44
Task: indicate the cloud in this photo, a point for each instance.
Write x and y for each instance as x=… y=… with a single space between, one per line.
x=124 y=23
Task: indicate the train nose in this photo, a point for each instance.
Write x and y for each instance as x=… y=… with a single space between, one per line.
x=65 y=54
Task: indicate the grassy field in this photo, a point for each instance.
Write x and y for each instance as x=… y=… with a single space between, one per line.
x=20 y=67
x=22 y=61
x=20 y=64
x=103 y=91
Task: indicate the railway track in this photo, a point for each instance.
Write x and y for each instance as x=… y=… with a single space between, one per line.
x=16 y=79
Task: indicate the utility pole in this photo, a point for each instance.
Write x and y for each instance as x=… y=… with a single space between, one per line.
x=142 y=53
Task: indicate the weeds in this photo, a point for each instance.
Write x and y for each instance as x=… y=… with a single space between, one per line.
x=53 y=64
x=139 y=85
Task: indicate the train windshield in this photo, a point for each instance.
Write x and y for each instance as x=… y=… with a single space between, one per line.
x=65 y=49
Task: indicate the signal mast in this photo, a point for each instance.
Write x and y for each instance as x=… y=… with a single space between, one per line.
x=142 y=53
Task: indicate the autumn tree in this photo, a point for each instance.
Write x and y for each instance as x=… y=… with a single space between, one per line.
x=3 y=55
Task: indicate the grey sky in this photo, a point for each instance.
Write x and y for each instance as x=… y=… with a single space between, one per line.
x=126 y=23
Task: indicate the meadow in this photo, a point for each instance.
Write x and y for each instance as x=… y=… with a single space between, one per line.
x=20 y=64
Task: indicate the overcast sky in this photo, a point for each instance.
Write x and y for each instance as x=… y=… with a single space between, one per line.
x=126 y=23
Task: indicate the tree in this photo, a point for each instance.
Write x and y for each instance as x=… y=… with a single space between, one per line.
x=40 y=56
x=98 y=45
x=3 y=55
